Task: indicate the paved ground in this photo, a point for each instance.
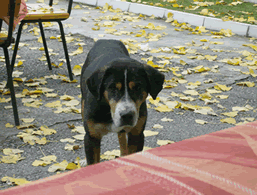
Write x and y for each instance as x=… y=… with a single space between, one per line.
x=183 y=125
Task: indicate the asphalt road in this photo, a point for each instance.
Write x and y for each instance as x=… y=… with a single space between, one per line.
x=183 y=125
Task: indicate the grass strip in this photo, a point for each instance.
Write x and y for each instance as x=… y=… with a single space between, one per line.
x=227 y=10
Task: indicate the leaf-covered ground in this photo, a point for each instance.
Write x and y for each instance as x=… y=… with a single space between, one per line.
x=210 y=85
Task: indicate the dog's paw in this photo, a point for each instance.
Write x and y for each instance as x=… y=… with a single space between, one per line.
x=83 y=162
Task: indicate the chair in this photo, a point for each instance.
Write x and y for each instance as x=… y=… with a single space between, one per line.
x=8 y=9
x=34 y=17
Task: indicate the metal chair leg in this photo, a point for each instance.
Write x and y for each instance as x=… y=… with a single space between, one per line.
x=16 y=46
x=1 y=22
x=9 y=73
x=65 y=50
x=45 y=46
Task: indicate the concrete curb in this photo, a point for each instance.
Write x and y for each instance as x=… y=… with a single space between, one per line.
x=193 y=19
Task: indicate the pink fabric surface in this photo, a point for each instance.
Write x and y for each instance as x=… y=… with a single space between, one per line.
x=224 y=162
x=22 y=13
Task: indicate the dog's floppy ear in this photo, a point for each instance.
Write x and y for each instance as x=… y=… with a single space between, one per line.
x=94 y=83
x=155 y=80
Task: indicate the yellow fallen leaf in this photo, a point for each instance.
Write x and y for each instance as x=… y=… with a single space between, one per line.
x=222 y=96
x=11 y=151
x=169 y=17
x=172 y=104
x=71 y=166
x=231 y=114
x=213 y=91
x=25 y=126
x=78 y=51
x=71 y=103
x=204 y=12
x=79 y=137
x=110 y=31
x=54 y=104
x=8 y=125
x=79 y=129
x=150 y=133
x=163 y=108
x=227 y=33
x=240 y=109
x=66 y=97
x=199 y=121
x=42 y=141
x=246 y=83
x=252 y=72
x=11 y=159
x=187 y=98
x=205 y=96
x=166 y=119
x=182 y=62
x=158 y=126
x=27 y=120
x=71 y=147
x=210 y=58
x=77 y=7
x=47 y=131
x=191 y=92
x=164 y=142
x=37 y=163
x=108 y=155
x=58 y=166
x=67 y=140
x=49 y=158
x=228 y=120
x=16 y=181
x=217 y=43
x=204 y=40
x=40 y=40
x=201 y=68
x=51 y=94
x=251 y=45
x=222 y=87
x=154 y=102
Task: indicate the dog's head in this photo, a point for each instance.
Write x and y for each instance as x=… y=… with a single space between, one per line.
x=125 y=85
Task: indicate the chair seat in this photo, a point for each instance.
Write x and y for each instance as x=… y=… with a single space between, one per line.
x=3 y=38
x=44 y=12
x=46 y=16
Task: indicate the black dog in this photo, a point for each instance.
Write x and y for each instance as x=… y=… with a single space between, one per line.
x=114 y=89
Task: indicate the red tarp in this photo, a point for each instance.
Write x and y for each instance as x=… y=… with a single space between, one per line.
x=224 y=162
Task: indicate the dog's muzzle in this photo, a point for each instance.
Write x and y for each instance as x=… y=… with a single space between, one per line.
x=125 y=114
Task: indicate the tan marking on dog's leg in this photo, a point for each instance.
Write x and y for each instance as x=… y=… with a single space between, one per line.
x=136 y=131
x=123 y=143
x=97 y=155
x=97 y=130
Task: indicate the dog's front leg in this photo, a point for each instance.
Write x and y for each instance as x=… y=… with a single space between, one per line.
x=135 y=142
x=92 y=149
x=136 y=136
x=123 y=143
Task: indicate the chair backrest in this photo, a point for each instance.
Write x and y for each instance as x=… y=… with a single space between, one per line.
x=69 y=5
x=9 y=10
x=5 y=9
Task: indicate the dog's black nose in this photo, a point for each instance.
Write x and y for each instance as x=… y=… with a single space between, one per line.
x=127 y=118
